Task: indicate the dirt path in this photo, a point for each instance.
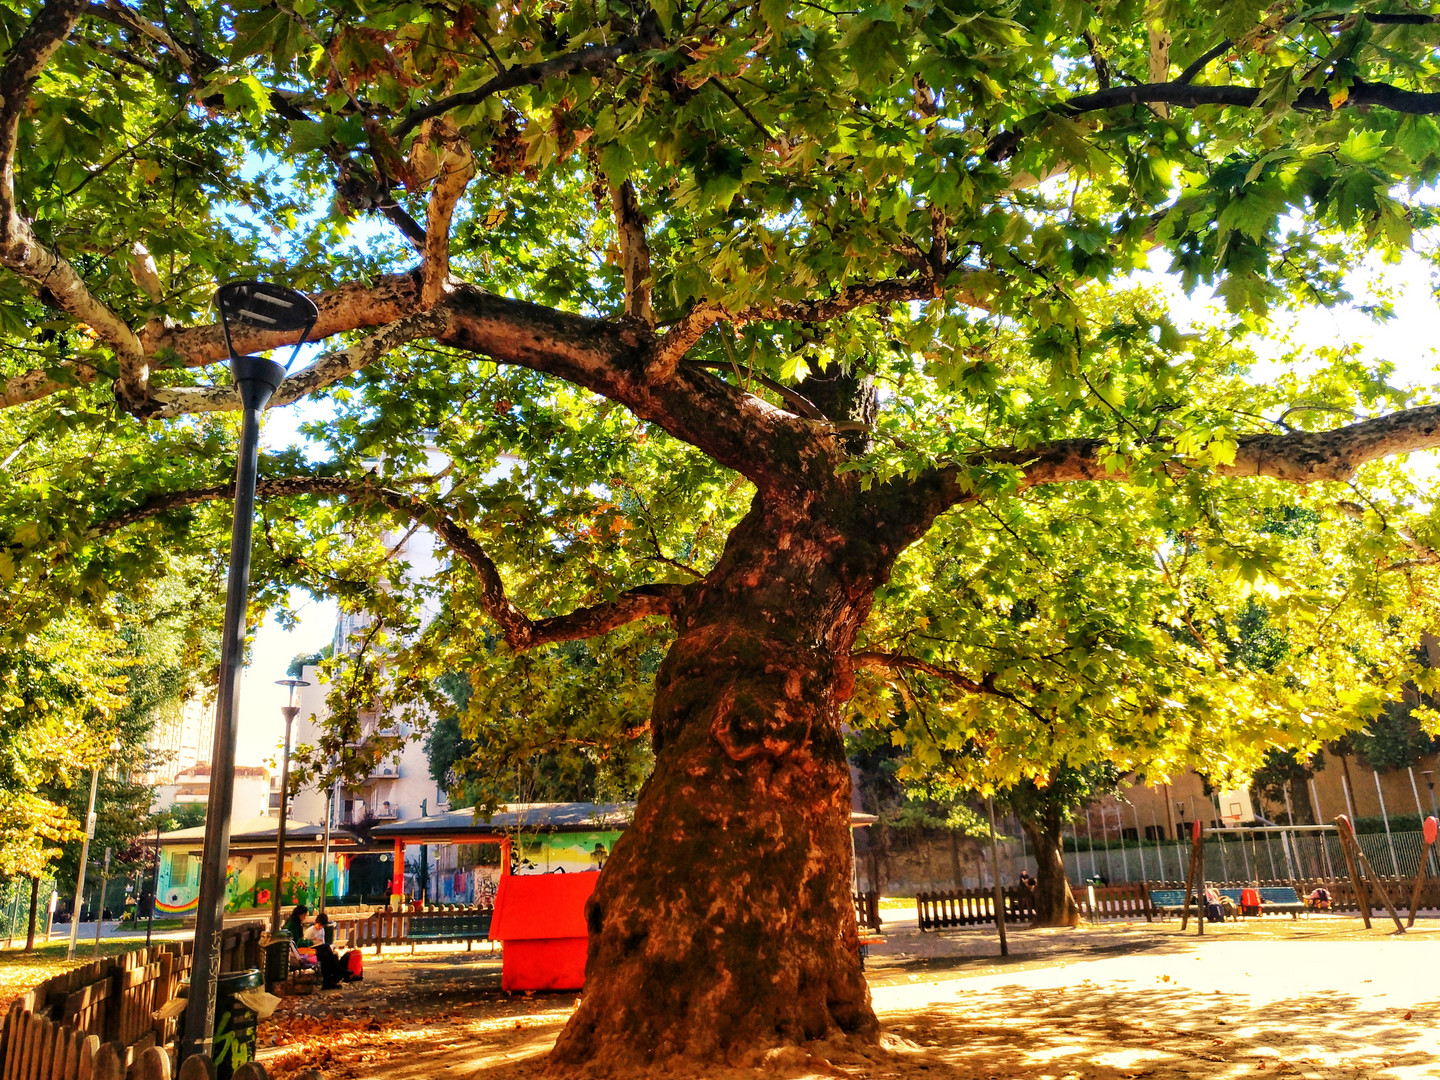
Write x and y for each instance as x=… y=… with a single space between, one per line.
x=1319 y=1001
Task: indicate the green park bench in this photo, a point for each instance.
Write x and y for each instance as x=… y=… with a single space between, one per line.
x=468 y=925
x=1168 y=901
x=1282 y=898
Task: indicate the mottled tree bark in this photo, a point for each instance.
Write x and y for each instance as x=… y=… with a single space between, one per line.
x=722 y=925
x=1054 y=902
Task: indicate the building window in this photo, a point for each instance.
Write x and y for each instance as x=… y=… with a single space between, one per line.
x=179 y=869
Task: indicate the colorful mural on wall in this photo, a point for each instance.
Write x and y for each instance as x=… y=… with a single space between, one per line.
x=549 y=853
x=563 y=853
x=179 y=885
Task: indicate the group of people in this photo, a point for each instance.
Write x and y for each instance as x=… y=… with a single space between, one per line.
x=321 y=935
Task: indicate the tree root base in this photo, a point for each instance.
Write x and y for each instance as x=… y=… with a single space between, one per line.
x=838 y=1054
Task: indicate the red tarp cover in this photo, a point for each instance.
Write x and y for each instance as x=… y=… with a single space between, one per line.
x=538 y=906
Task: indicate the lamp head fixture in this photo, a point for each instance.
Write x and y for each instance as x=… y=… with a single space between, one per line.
x=293 y=684
x=263 y=306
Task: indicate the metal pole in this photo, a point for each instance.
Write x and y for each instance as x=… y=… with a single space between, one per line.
x=154 y=884
x=1324 y=840
x=1120 y=828
x=1349 y=803
x=287 y=711
x=257 y=380
x=100 y=901
x=1220 y=837
x=1394 y=862
x=325 y=858
x=1420 y=812
x=1139 y=840
x=995 y=879
x=1159 y=843
x=84 y=857
x=1089 y=839
x=1294 y=838
x=1105 y=836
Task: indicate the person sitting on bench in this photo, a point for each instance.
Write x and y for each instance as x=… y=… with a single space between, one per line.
x=1319 y=900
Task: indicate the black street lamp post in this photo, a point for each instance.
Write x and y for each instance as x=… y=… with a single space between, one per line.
x=288 y=711
x=278 y=309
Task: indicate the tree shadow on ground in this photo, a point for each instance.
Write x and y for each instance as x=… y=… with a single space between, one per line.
x=446 y=1017
x=1120 y=1032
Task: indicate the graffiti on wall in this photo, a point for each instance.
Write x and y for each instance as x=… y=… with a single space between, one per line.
x=179 y=885
x=563 y=853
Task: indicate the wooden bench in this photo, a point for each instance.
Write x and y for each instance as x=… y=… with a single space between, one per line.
x=466 y=926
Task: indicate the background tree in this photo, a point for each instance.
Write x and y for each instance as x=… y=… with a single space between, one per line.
x=1044 y=811
x=686 y=211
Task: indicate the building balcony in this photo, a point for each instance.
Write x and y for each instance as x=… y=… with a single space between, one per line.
x=384 y=772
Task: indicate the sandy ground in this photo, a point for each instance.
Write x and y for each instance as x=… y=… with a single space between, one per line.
x=1311 y=999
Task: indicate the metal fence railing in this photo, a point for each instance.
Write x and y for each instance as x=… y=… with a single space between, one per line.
x=15 y=909
x=1239 y=855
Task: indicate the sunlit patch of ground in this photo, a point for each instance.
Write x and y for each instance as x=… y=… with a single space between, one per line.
x=1319 y=1000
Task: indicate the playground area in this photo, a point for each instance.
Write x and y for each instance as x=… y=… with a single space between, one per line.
x=1310 y=998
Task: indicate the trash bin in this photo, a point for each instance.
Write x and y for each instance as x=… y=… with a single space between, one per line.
x=277 y=956
x=235 y=1022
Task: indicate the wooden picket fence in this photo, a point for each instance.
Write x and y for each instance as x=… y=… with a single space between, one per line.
x=1113 y=902
x=976 y=907
x=867 y=911
x=40 y=1049
x=970 y=907
x=108 y=1003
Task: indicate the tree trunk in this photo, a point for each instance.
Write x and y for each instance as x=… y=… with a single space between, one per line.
x=34 y=905
x=722 y=925
x=1054 y=903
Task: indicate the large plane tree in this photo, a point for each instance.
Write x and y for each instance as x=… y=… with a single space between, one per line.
x=807 y=324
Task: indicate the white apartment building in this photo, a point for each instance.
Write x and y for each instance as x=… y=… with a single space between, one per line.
x=252 y=786
x=398 y=786
x=181 y=740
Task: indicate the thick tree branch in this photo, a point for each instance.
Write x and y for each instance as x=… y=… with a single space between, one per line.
x=19 y=250
x=634 y=252
x=443 y=155
x=766 y=444
x=353 y=306
x=1361 y=94
x=683 y=335
x=520 y=631
x=115 y=12
x=1424 y=554
x=34 y=385
x=329 y=368
x=1298 y=457
x=590 y=58
x=883 y=661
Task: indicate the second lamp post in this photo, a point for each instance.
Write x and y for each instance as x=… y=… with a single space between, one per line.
x=288 y=711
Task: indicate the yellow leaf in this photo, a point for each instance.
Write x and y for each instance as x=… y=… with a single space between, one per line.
x=1339 y=96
